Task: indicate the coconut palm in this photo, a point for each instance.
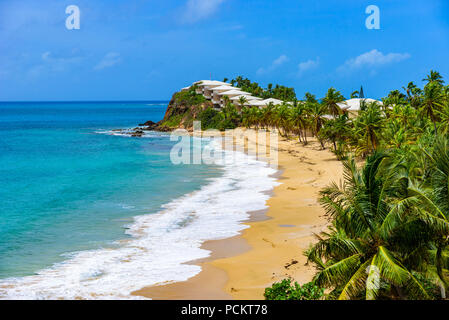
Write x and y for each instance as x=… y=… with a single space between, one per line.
x=366 y=253
x=331 y=100
x=431 y=102
x=368 y=125
x=434 y=77
x=434 y=208
x=317 y=114
x=336 y=130
x=298 y=117
x=242 y=101
x=282 y=116
x=355 y=94
x=267 y=115
x=443 y=115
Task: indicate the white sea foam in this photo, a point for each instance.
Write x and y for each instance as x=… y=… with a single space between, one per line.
x=161 y=243
x=130 y=131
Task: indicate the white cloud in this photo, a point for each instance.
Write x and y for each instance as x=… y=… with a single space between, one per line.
x=46 y=55
x=109 y=60
x=274 y=65
x=196 y=10
x=51 y=63
x=372 y=59
x=308 y=65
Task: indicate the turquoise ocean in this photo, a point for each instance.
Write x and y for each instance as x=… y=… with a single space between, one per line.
x=86 y=213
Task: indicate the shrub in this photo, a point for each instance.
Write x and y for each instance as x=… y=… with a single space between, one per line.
x=189 y=98
x=210 y=118
x=284 y=290
x=226 y=124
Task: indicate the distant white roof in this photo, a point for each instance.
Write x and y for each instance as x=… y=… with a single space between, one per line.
x=234 y=93
x=185 y=88
x=256 y=103
x=224 y=88
x=272 y=100
x=248 y=98
x=354 y=104
x=210 y=83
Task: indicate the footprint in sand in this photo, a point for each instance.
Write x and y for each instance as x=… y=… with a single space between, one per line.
x=272 y=244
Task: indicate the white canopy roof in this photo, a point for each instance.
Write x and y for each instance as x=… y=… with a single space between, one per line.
x=234 y=93
x=248 y=98
x=210 y=83
x=354 y=104
x=224 y=88
x=272 y=100
x=256 y=103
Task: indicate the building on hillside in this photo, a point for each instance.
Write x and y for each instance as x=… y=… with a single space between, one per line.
x=352 y=106
x=205 y=85
x=214 y=91
x=215 y=97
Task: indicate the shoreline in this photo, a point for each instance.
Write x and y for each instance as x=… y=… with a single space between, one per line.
x=271 y=248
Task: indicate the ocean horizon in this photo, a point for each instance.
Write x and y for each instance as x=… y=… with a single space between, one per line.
x=90 y=213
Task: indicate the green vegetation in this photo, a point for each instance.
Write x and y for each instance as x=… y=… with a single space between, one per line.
x=277 y=92
x=284 y=290
x=189 y=97
x=389 y=218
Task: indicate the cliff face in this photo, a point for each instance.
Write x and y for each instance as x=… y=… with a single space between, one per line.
x=181 y=113
x=183 y=109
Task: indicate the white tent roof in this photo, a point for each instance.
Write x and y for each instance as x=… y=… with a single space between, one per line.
x=354 y=104
x=210 y=83
x=224 y=88
x=272 y=100
x=234 y=93
x=248 y=98
x=256 y=103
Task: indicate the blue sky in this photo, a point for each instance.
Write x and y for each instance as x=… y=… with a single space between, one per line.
x=146 y=49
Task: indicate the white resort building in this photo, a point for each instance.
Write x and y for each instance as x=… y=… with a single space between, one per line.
x=215 y=91
x=352 y=106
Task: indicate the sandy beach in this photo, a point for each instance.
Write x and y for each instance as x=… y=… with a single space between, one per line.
x=271 y=249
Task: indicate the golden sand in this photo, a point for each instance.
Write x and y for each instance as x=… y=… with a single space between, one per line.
x=271 y=249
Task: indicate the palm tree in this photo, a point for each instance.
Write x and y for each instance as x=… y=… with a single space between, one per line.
x=317 y=113
x=246 y=121
x=434 y=209
x=355 y=94
x=434 y=77
x=331 y=100
x=443 y=115
x=298 y=117
x=369 y=123
x=336 y=130
x=267 y=115
x=413 y=94
x=282 y=117
x=254 y=117
x=431 y=102
x=242 y=101
x=368 y=243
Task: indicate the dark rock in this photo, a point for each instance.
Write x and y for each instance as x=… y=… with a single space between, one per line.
x=149 y=124
x=137 y=133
